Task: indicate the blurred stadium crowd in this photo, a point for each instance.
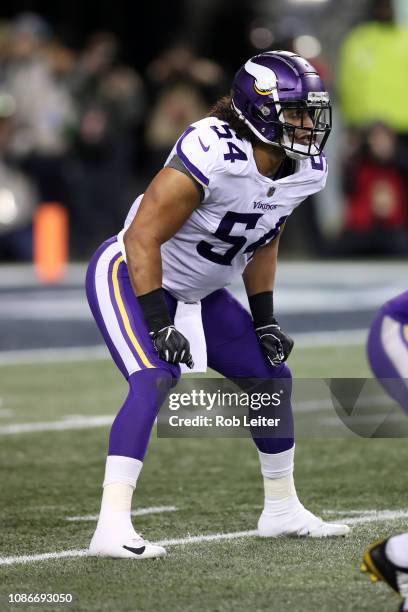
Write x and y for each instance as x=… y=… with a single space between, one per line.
x=81 y=127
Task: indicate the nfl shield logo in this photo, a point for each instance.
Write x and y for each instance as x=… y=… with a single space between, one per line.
x=271 y=191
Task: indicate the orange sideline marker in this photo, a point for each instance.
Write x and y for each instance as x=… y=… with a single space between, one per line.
x=50 y=242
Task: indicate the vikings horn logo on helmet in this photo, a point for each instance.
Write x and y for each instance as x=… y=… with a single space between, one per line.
x=265 y=78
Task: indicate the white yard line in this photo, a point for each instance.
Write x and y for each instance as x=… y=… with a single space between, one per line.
x=44 y=557
x=63 y=424
x=211 y=537
x=173 y=542
x=88 y=422
x=376 y=517
x=367 y=516
x=140 y=512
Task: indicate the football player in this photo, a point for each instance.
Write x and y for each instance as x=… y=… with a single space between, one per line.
x=215 y=211
x=387 y=351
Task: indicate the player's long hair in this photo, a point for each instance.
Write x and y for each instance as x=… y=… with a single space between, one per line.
x=222 y=110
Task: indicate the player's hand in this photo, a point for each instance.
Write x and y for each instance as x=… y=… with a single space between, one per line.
x=276 y=344
x=172 y=346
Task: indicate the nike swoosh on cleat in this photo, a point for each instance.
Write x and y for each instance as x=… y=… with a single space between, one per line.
x=204 y=148
x=137 y=551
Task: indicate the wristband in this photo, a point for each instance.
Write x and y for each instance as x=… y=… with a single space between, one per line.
x=261 y=305
x=155 y=311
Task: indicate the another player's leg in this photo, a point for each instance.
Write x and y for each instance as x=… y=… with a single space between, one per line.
x=387 y=352
x=121 y=322
x=387 y=561
x=234 y=351
x=387 y=348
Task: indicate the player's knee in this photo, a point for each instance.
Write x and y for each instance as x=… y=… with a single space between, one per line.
x=153 y=383
x=279 y=383
x=281 y=376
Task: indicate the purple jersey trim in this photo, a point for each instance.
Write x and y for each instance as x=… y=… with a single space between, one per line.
x=190 y=166
x=319 y=164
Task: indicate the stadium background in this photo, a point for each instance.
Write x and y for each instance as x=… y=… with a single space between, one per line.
x=90 y=102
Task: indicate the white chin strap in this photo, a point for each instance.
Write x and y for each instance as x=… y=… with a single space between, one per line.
x=296 y=154
x=301 y=152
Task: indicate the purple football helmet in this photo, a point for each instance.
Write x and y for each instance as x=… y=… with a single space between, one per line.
x=282 y=99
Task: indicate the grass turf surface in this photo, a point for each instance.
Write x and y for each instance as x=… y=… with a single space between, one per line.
x=215 y=485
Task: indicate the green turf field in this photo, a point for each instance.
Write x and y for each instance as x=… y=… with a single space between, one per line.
x=215 y=486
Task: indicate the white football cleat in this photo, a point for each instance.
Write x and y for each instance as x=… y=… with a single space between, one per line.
x=298 y=522
x=133 y=547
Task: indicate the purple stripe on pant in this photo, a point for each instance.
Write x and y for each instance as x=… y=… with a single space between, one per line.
x=94 y=305
x=133 y=310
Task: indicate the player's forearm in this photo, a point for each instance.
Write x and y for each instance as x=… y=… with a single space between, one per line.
x=257 y=280
x=144 y=264
x=259 y=274
x=259 y=277
x=145 y=271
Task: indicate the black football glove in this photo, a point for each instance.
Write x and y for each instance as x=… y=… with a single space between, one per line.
x=172 y=346
x=276 y=344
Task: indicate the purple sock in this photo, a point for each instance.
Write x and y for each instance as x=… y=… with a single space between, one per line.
x=133 y=424
x=282 y=438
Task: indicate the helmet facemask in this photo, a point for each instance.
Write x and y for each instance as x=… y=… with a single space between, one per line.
x=302 y=127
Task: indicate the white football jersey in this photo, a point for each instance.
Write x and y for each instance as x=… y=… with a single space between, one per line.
x=241 y=209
